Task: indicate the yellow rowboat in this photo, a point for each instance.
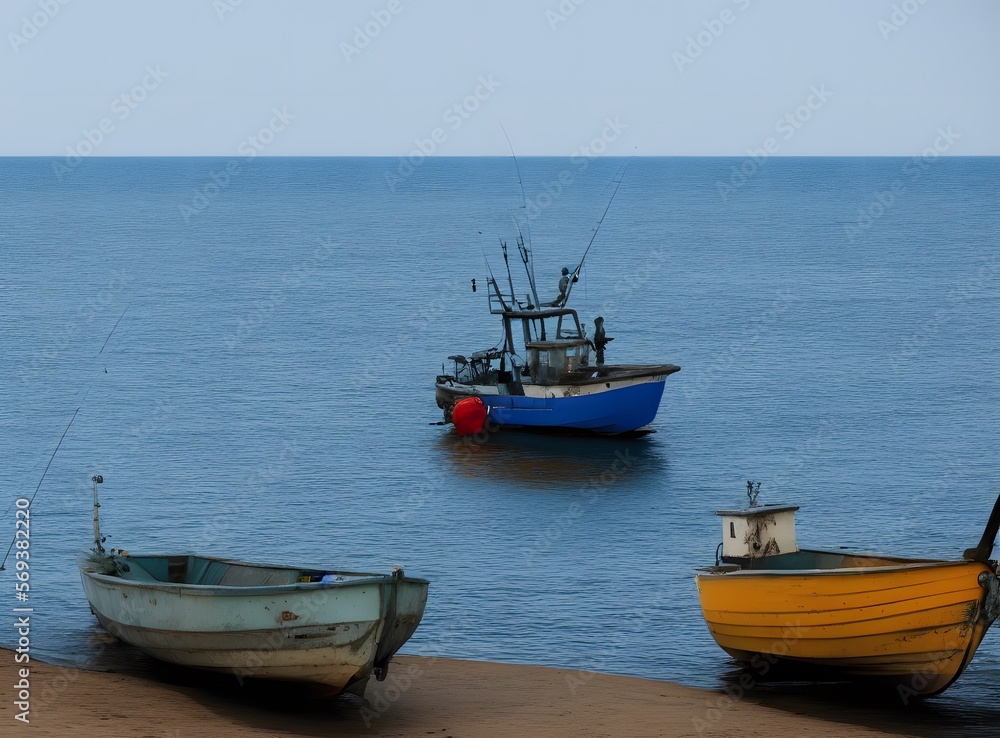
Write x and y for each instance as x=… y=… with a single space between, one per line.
x=914 y=624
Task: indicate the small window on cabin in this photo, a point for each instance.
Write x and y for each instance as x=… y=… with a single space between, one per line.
x=732 y=529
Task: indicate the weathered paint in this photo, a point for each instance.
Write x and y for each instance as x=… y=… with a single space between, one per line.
x=322 y=632
x=914 y=623
x=763 y=530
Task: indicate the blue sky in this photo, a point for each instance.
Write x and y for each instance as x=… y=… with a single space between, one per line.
x=319 y=77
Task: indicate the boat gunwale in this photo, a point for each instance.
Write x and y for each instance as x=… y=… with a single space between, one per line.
x=92 y=570
x=637 y=371
x=613 y=374
x=905 y=564
x=183 y=588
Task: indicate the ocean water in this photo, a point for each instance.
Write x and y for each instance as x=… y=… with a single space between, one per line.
x=251 y=347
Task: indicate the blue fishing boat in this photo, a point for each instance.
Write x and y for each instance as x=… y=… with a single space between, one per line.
x=543 y=376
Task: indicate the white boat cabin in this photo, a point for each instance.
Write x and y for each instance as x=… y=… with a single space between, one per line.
x=758 y=531
x=554 y=343
x=555 y=347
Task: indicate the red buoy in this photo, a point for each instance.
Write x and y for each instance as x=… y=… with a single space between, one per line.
x=469 y=416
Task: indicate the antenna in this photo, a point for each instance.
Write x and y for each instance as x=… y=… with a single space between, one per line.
x=493 y=281
x=576 y=272
x=529 y=262
x=510 y=279
x=524 y=248
x=97 y=479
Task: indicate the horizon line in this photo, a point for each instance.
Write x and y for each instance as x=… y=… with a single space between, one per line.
x=499 y=156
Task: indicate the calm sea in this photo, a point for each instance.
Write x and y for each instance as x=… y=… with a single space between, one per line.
x=252 y=346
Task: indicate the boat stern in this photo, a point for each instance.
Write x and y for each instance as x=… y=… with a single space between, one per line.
x=406 y=601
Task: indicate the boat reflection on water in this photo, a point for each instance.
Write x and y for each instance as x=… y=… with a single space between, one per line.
x=539 y=460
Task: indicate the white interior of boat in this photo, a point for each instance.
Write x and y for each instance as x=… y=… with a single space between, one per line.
x=198 y=570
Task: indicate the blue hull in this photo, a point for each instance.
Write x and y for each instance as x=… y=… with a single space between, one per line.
x=619 y=410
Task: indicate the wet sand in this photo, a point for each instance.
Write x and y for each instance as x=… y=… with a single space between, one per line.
x=422 y=697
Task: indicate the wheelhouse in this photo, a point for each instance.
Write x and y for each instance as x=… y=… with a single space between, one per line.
x=554 y=343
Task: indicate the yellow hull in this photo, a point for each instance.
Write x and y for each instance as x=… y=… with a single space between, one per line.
x=916 y=625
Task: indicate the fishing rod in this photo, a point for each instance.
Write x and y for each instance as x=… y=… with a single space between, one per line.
x=525 y=249
x=493 y=281
x=3 y=564
x=76 y=412
x=576 y=272
x=113 y=329
x=517 y=168
x=529 y=263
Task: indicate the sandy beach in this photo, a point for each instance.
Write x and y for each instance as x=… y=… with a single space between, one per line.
x=421 y=697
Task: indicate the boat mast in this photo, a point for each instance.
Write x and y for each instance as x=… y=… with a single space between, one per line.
x=510 y=279
x=529 y=263
x=576 y=272
x=493 y=281
x=523 y=248
x=97 y=479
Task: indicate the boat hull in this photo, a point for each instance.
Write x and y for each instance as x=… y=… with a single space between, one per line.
x=915 y=626
x=611 y=407
x=328 y=634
